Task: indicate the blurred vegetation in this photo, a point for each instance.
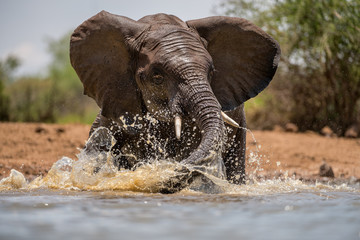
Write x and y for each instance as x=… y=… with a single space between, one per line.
x=318 y=80
x=55 y=97
x=317 y=83
x=6 y=67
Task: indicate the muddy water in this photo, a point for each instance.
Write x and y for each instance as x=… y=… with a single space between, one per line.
x=90 y=199
x=306 y=212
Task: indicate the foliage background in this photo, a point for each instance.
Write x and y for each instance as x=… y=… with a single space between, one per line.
x=55 y=97
x=318 y=80
x=317 y=83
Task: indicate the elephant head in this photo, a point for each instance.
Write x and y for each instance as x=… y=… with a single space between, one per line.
x=173 y=69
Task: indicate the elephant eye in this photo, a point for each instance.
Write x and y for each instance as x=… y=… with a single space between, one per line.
x=157 y=78
x=211 y=73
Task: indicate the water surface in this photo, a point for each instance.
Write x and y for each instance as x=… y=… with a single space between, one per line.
x=90 y=199
x=305 y=213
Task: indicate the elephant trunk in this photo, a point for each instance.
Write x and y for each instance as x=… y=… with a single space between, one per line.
x=202 y=105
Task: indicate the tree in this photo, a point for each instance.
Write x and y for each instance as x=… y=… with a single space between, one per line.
x=67 y=102
x=320 y=56
x=55 y=97
x=7 y=68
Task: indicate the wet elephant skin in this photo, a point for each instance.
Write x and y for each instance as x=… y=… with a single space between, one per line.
x=146 y=74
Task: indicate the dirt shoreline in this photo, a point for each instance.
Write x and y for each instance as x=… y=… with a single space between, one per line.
x=32 y=148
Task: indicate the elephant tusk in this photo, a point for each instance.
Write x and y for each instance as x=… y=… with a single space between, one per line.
x=229 y=120
x=178 y=126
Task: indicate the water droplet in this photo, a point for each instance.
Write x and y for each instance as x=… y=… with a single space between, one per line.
x=289 y=208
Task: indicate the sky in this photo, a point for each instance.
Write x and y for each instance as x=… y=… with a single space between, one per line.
x=27 y=25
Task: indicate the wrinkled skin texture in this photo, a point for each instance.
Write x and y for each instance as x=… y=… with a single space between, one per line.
x=144 y=73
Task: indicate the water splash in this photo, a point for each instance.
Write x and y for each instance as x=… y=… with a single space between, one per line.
x=95 y=170
x=16 y=180
x=159 y=176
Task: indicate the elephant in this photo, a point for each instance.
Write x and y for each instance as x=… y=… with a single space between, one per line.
x=174 y=89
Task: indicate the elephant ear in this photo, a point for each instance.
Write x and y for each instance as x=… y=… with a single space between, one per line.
x=244 y=56
x=100 y=52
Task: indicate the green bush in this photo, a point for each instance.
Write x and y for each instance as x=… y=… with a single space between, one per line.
x=4 y=104
x=57 y=97
x=31 y=100
x=6 y=69
x=318 y=81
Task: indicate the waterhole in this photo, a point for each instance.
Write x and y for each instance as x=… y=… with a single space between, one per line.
x=89 y=198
